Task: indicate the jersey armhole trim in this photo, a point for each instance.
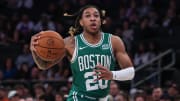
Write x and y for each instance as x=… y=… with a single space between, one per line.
x=111 y=48
x=75 y=53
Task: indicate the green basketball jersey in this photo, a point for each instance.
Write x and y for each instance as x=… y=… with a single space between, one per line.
x=85 y=58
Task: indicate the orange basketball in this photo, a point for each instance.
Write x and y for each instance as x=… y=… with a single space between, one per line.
x=50 y=46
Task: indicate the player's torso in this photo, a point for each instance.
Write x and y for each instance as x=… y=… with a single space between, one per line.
x=85 y=58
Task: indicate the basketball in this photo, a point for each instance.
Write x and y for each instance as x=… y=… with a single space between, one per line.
x=50 y=46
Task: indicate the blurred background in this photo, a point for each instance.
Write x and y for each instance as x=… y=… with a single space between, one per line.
x=150 y=30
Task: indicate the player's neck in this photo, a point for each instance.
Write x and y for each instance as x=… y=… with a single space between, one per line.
x=92 y=38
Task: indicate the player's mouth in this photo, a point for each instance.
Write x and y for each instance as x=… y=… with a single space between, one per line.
x=93 y=26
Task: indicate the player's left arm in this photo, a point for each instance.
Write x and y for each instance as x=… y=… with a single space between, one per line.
x=127 y=72
x=120 y=53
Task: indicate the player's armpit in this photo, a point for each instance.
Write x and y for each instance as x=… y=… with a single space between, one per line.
x=43 y=65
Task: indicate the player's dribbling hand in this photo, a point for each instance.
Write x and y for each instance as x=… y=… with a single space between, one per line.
x=103 y=73
x=34 y=41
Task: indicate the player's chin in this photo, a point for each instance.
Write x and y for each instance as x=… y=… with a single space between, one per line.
x=93 y=31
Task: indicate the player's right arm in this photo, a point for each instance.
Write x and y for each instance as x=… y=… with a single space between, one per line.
x=42 y=64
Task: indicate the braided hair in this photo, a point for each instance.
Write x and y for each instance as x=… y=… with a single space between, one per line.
x=77 y=27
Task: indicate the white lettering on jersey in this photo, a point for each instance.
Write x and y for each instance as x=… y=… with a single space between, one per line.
x=89 y=61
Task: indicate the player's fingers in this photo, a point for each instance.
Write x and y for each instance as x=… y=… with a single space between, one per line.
x=32 y=46
x=95 y=80
x=35 y=38
x=100 y=67
x=100 y=77
x=99 y=70
x=33 y=43
x=33 y=49
x=99 y=73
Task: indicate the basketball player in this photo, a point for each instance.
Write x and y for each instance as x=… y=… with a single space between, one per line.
x=92 y=54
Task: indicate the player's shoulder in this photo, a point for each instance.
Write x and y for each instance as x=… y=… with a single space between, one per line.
x=115 y=38
x=116 y=42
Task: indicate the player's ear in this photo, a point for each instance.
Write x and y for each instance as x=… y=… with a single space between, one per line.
x=80 y=22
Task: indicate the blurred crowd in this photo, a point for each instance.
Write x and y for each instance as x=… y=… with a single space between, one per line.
x=138 y=22
x=51 y=92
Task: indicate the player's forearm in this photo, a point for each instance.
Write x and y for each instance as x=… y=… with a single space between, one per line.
x=124 y=74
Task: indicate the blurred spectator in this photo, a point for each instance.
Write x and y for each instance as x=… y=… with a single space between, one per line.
x=39 y=91
x=44 y=23
x=177 y=98
x=25 y=57
x=20 y=90
x=63 y=72
x=21 y=99
x=64 y=90
x=127 y=35
x=34 y=73
x=166 y=97
x=152 y=50
x=13 y=95
x=42 y=98
x=59 y=96
x=69 y=82
x=42 y=76
x=27 y=92
x=3 y=30
x=134 y=20
x=121 y=97
x=80 y=3
x=121 y=15
x=169 y=20
x=1 y=75
x=51 y=73
x=29 y=98
x=12 y=5
x=173 y=90
x=24 y=28
x=23 y=72
x=144 y=31
x=131 y=9
x=49 y=91
x=141 y=56
x=9 y=69
x=52 y=11
x=157 y=93
x=3 y=94
x=25 y=4
x=140 y=97
x=114 y=89
x=154 y=21
x=3 y=39
x=145 y=8
x=12 y=24
x=66 y=5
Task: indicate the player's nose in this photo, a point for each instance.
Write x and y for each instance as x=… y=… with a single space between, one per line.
x=92 y=18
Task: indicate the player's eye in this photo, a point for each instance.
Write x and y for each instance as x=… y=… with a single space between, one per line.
x=87 y=16
x=96 y=15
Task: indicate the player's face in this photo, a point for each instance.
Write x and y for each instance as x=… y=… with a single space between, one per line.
x=90 y=20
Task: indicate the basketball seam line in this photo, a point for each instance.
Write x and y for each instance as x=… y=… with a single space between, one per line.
x=48 y=47
x=50 y=37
